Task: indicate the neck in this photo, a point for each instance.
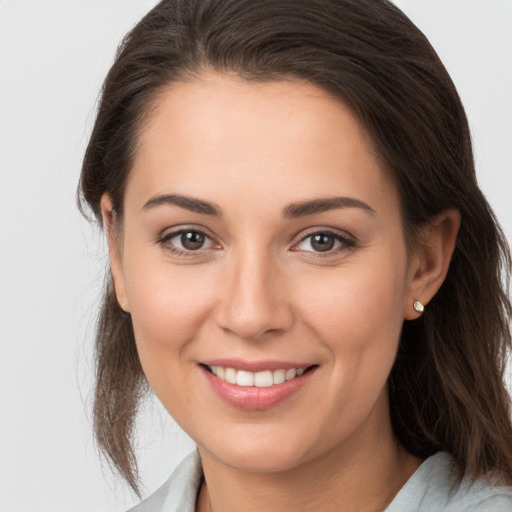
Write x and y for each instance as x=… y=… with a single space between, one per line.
x=363 y=477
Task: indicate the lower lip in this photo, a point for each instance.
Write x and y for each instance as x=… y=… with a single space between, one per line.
x=252 y=398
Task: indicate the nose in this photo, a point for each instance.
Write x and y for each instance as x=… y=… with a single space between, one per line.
x=253 y=298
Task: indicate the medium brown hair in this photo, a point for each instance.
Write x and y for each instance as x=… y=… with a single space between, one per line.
x=446 y=388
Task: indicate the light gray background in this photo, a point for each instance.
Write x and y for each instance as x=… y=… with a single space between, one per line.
x=53 y=57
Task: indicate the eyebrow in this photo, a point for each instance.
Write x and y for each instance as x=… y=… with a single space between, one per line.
x=324 y=204
x=293 y=210
x=189 y=203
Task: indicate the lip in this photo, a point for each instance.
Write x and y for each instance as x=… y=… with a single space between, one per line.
x=256 y=398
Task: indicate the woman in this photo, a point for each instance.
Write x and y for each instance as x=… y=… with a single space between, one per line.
x=303 y=268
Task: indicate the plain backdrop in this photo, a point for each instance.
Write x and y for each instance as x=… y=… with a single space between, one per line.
x=53 y=57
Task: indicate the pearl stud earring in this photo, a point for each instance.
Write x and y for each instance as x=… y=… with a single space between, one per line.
x=418 y=306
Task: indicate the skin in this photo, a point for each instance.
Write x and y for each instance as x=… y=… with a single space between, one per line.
x=259 y=290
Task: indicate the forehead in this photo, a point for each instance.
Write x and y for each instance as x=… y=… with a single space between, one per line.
x=221 y=132
x=214 y=104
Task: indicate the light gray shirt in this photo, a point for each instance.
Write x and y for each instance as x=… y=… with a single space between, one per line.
x=432 y=488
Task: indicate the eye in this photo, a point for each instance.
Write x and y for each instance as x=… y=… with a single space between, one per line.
x=324 y=242
x=186 y=240
x=191 y=240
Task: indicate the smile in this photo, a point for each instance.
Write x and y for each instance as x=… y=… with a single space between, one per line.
x=266 y=387
x=262 y=379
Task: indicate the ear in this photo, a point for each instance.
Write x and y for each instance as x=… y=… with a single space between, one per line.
x=430 y=260
x=114 y=241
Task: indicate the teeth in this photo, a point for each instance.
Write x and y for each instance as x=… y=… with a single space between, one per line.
x=245 y=379
x=279 y=376
x=262 y=379
x=290 y=374
x=230 y=375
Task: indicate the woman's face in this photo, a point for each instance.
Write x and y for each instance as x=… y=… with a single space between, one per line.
x=262 y=236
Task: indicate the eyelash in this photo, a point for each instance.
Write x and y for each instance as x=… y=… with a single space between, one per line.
x=346 y=243
x=165 y=242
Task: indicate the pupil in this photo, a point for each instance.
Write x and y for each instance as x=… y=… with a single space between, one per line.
x=322 y=242
x=192 y=240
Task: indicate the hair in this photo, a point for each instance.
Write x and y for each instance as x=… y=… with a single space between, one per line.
x=446 y=388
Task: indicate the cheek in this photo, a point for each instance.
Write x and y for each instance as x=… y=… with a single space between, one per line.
x=358 y=320
x=358 y=315
x=168 y=308
x=358 y=297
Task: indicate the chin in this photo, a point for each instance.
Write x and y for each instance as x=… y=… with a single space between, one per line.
x=260 y=460
x=269 y=452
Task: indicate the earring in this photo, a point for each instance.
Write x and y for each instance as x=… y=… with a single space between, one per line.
x=418 y=306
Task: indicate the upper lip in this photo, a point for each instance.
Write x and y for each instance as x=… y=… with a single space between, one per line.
x=255 y=366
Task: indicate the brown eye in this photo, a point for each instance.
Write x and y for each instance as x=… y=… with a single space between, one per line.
x=322 y=242
x=187 y=241
x=192 y=240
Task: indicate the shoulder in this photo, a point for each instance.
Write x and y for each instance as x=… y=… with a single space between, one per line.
x=179 y=492
x=434 y=486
